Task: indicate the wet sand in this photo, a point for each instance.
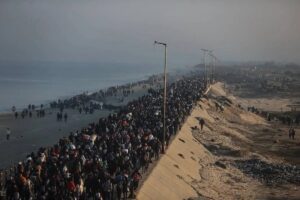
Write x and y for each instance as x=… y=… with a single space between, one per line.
x=28 y=134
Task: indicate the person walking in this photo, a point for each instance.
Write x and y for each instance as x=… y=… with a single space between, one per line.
x=293 y=133
x=202 y=122
x=16 y=115
x=136 y=177
x=66 y=117
x=107 y=188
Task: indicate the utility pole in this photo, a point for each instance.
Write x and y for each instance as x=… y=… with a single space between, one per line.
x=165 y=94
x=213 y=60
x=204 y=52
x=210 y=53
x=216 y=61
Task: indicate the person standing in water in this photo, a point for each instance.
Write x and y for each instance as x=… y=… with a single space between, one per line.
x=8 y=132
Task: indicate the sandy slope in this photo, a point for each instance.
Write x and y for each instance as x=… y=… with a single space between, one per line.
x=198 y=163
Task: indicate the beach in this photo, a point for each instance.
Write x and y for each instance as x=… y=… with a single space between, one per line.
x=212 y=163
x=114 y=152
x=29 y=134
x=149 y=100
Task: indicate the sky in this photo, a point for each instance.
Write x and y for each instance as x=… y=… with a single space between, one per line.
x=123 y=31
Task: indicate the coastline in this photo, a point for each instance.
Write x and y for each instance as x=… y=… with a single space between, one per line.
x=46 y=102
x=29 y=134
x=104 y=129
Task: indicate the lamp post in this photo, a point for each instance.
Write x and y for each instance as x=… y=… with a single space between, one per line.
x=165 y=94
x=204 y=51
x=210 y=53
x=213 y=63
x=205 y=68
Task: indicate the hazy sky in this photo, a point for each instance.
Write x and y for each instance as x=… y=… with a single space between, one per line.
x=123 y=31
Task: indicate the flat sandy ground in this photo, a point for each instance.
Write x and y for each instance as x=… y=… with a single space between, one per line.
x=29 y=134
x=189 y=169
x=274 y=103
x=268 y=104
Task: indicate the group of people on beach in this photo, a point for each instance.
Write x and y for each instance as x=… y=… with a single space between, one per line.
x=60 y=116
x=106 y=159
x=86 y=103
x=29 y=111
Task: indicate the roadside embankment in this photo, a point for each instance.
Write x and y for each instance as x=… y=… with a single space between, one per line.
x=215 y=163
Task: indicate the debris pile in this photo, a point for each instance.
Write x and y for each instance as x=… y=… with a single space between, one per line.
x=270 y=174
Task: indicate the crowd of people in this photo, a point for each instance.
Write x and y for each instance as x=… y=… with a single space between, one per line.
x=286 y=118
x=106 y=159
x=84 y=103
x=87 y=103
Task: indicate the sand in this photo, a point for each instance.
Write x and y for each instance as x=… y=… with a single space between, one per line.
x=197 y=164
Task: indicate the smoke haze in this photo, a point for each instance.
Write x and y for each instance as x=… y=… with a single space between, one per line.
x=113 y=31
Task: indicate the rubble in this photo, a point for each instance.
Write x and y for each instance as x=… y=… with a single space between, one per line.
x=268 y=173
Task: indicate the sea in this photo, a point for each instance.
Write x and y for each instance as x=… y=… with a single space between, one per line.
x=38 y=83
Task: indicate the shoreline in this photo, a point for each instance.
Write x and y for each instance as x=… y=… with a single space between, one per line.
x=47 y=102
x=172 y=76
x=124 y=129
x=38 y=132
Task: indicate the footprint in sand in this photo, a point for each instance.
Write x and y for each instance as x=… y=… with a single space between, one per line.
x=176 y=166
x=181 y=155
x=181 y=140
x=180 y=177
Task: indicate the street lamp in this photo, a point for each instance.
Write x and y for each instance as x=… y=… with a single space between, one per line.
x=213 y=59
x=204 y=51
x=165 y=94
